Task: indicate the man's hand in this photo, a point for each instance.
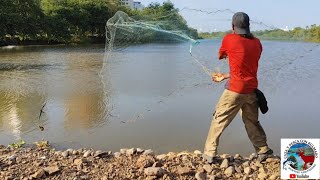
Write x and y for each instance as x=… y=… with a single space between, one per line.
x=218 y=77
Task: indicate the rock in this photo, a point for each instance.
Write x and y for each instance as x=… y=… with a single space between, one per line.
x=131 y=151
x=43 y=157
x=245 y=178
x=262 y=176
x=51 y=169
x=246 y=164
x=238 y=176
x=171 y=156
x=229 y=171
x=38 y=164
x=123 y=151
x=154 y=171
x=185 y=171
x=145 y=161
x=185 y=158
x=247 y=170
x=9 y=178
x=3 y=151
x=269 y=160
x=65 y=154
x=218 y=175
x=161 y=157
x=87 y=154
x=211 y=177
x=151 y=178
x=273 y=177
x=70 y=151
x=157 y=164
x=207 y=168
x=12 y=157
x=78 y=162
x=252 y=156
x=238 y=162
x=148 y=152
x=84 y=177
x=38 y=174
x=263 y=170
x=237 y=169
x=200 y=169
x=231 y=158
x=74 y=152
x=11 y=162
x=57 y=153
x=224 y=164
x=200 y=176
x=117 y=154
x=254 y=167
x=139 y=150
x=237 y=156
x=258 y=164
x=197 y=152
x=100 y=154
x=97 y=153
x=225 y=156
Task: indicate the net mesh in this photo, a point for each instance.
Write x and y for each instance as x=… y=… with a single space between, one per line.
x=127 y=35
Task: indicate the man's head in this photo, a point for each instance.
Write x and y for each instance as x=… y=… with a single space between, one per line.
x=241 y=23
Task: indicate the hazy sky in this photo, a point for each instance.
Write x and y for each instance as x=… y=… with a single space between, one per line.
x=277 y=13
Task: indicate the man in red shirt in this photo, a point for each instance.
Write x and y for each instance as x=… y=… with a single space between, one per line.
x=244 y=51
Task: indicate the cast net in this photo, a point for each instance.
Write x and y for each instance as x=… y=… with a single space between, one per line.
x=151 y=57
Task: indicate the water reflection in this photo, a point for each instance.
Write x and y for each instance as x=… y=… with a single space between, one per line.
x=84 y=107
x=19 y=114
x=67 y=80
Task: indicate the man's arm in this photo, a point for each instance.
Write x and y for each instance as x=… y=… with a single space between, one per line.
x=223 y=49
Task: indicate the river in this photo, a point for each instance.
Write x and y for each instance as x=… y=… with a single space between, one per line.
x=150 y=96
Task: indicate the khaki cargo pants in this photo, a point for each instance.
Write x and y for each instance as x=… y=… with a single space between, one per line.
x=227 y=108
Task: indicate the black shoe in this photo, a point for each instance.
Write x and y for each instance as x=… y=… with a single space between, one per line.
x=264 y=156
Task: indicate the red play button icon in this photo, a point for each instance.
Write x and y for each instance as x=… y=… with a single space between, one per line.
x=293 y=176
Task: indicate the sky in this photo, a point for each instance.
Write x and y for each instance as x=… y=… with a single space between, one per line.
x=274 y=13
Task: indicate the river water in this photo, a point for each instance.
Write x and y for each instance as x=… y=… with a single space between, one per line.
x=149 y=96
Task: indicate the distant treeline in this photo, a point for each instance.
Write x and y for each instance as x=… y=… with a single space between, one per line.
x=68 y=21
x=311 y=34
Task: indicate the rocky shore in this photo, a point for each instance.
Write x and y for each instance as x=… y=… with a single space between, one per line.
x=42 y=162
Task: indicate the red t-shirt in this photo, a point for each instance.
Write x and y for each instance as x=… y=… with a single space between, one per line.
x=244 y=55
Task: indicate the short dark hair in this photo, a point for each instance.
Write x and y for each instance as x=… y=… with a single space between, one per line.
x=241 y=23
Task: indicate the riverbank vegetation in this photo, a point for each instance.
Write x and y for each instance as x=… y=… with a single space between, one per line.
x=83 y=21
x=69 y=21
x=310 y=34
